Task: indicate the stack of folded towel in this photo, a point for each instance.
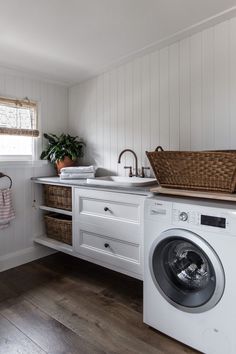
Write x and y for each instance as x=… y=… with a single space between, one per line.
x=80 y=172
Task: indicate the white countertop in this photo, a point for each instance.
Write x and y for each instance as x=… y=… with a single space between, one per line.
x=82 y=183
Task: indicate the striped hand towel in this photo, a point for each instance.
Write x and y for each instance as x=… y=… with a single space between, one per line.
x=6 y=208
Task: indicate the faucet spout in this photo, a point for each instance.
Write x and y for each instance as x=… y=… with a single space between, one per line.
x=135 y=159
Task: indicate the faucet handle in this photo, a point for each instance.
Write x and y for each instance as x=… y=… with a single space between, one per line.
x=143 y=171
x=130 y=170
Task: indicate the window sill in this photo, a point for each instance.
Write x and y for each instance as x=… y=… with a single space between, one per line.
x=12 y=163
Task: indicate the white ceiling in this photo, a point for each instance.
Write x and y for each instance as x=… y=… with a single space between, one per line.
x=71 y=40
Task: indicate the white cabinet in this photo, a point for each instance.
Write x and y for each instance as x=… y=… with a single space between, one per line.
x=108 y=229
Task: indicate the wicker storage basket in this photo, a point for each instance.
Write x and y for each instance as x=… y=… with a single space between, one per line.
x=196 y=170
x=59 y=227
x=57 y=197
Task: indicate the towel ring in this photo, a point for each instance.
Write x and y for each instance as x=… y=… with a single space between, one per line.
x=3 y=175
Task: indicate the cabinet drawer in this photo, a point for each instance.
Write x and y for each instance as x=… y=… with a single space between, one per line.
x=109 y=209
x=108 y=205
x=109 y=246
x=108 y=250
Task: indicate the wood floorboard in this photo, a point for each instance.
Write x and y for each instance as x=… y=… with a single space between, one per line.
x=66 y=305
x=12 y=340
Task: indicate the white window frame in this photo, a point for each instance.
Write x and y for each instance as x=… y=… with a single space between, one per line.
x=36 y=141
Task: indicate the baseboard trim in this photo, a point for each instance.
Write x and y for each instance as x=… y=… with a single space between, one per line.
x=26 y=255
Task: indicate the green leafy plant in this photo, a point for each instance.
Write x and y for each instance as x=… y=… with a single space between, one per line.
x=62 y=146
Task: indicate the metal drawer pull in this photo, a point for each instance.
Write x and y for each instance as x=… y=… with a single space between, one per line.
x=106 y=245
x=158 y=212
x=106 y=209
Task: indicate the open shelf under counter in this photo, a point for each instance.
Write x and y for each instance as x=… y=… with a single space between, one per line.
x=56 y=245
x=55 y=210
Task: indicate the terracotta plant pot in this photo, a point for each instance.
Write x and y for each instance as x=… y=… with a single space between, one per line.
x=67 y=162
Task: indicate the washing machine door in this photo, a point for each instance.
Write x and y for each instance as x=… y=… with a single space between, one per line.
x=186 y=270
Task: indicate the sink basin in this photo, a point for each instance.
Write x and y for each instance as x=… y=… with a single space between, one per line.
x=121 y=181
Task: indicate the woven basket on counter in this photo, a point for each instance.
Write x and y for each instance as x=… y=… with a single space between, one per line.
x=195 y=170
x=59 y=227
x=57 y=197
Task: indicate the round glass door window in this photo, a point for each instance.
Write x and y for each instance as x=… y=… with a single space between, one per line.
x=187 y=271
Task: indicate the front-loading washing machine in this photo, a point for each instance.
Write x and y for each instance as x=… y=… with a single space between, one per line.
x=190 y=272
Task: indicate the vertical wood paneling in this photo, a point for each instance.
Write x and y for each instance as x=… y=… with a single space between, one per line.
x=145 y=108
x=114 y=123
x=164 y=99
x=128 y=158
x=107 y=123
x=221 y=55
x=154 y=100
x=174 y=96
x=99 y=146
x=196 y=91
x=137 y=127
x=181 y=97
x=92 y=116
x=184 y=95
x=232 y=86
x=121 y=115
x=208 y=112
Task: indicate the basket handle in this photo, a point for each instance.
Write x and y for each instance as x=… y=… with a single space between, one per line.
x=159 y=148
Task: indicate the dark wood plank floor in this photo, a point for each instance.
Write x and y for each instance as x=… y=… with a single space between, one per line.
x=60 y=304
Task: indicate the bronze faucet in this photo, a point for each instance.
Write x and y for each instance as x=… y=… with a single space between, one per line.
x=135 y=158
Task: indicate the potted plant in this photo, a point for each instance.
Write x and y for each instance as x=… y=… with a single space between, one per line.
x=62 y=150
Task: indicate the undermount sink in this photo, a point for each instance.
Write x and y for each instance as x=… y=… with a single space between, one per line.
x=121 y=181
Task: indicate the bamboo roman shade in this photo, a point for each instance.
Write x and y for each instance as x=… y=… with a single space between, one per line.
x=18 y=117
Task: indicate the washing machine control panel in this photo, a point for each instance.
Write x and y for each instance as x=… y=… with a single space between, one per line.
x=207 y=216
x=203 y=219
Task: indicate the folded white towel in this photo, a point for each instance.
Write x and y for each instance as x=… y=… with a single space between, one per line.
x=76 y=175
x=78 y=169
x=6 y=208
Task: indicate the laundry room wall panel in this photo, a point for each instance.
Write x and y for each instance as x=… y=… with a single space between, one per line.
x=174 y=95
x=221 y=81
x=121 y=115
x=232 y=82
x=92 y=112
x=16 y=241
x=128 y=112
x=114 y=122
x=154 y=100
x=184 y=95
x=164 y=99
x=181 y=97
x=145 y=108
x=137 y=104
x=107 y=123
x=99 y=158
x=208 y=113
x=196 y=91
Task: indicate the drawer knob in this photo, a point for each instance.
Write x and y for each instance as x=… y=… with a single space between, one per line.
x=106 y=209
x=106 y=245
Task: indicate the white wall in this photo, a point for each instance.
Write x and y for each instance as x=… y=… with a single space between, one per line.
x=16 y=242
x=181 y=97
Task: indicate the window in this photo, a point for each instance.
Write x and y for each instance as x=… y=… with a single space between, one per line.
x=18 y=128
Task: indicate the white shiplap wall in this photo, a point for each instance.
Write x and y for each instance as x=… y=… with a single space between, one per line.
x=16 y=242
x=182 y=97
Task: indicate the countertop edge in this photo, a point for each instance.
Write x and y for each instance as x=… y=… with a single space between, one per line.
x=145 y=191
